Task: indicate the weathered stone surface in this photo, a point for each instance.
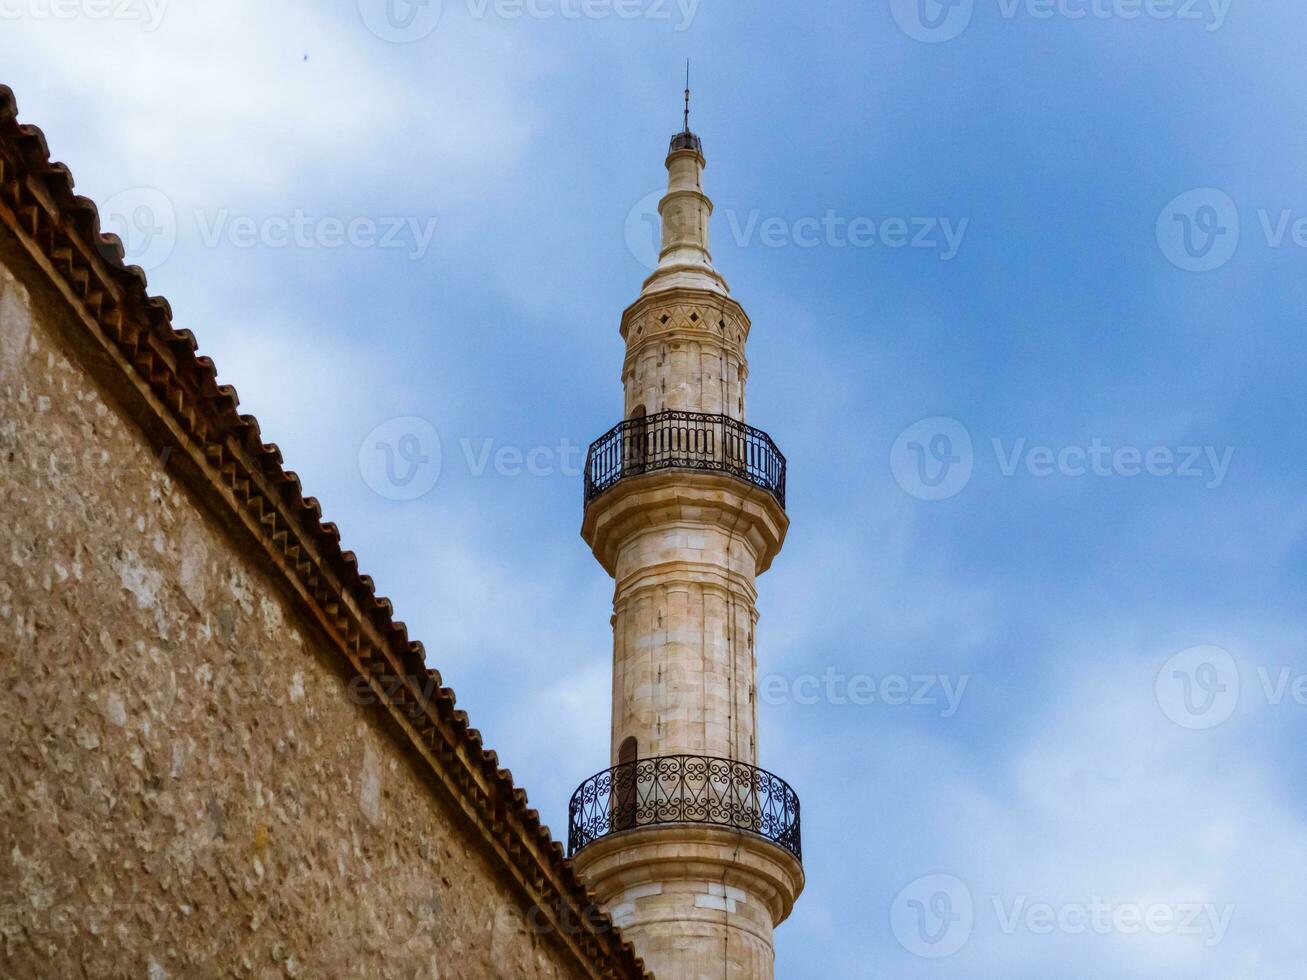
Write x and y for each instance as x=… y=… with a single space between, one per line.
x=187 y=788
x=697 y=901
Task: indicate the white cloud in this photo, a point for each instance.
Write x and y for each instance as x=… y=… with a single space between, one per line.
x=1112 y=801
x=219 y=101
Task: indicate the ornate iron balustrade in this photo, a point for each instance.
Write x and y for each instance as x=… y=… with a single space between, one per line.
x=684 y=789
x=692 y=440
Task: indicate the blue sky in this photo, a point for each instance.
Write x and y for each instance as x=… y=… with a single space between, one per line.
x=1126 y=636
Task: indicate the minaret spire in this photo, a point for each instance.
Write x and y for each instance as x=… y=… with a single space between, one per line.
x=684 y=260
x=687 y=96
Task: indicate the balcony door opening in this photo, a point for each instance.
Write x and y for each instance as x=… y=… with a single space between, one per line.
x=636 y=448
x=624 y=784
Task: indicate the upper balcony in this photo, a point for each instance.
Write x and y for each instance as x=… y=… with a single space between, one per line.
x=687 y=440
x=684 y=789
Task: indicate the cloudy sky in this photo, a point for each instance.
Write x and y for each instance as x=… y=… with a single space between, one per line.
x=1028 y=282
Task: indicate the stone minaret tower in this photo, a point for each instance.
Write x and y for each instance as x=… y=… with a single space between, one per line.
x=690 y=846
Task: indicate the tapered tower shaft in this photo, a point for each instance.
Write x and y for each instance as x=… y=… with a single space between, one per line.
x=691 y=847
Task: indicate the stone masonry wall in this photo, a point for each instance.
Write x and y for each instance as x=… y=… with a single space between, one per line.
x=186 y=789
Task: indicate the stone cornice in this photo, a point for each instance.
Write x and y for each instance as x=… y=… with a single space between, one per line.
x=692 y=496
x=694 y=852
x=132 y=348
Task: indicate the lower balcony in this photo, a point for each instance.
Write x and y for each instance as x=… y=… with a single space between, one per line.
x=684 y=789
x=688 y=440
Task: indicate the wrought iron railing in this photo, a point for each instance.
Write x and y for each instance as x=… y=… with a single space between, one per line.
x=691 y=440
x=684 y=789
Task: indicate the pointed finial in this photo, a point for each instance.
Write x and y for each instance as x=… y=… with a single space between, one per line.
x=687 y=95
x=684 y=140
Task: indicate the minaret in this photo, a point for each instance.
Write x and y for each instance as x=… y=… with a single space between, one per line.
x=691 y=847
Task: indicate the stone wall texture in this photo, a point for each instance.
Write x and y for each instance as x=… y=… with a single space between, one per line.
x=187 y=789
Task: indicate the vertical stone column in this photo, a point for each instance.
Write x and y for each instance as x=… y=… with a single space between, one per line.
x=683 y=662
